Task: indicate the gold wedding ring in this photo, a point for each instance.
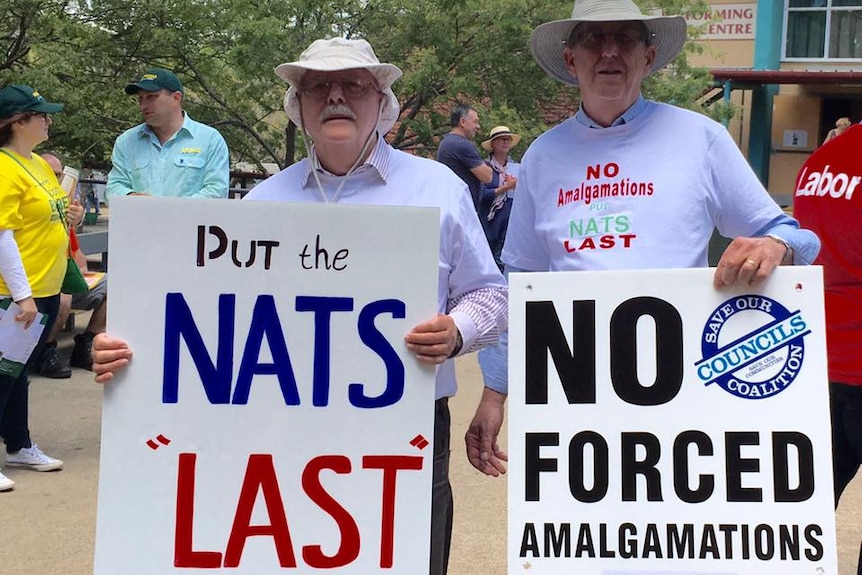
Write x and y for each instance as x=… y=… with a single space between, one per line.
x=752 y=263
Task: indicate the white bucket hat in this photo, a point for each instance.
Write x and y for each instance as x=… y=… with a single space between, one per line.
x=338 y=54
x=549 y=40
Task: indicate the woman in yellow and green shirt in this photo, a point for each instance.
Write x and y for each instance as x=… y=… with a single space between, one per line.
x=34 y=214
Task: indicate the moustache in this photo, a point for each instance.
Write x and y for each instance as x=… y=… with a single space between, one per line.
x=337 y=111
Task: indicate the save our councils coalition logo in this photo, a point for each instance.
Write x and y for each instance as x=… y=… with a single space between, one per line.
x=752 y=363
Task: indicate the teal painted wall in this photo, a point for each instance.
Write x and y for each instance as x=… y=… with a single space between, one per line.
x=767 y=56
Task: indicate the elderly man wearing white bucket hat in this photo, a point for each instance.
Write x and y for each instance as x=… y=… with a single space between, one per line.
x=340 y=96
x=654 y=179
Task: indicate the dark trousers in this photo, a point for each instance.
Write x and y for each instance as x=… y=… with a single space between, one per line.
x=846 y=407
x=15 y=391
x=441 y=493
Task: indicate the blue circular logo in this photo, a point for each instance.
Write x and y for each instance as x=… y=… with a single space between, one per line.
x=752 y=363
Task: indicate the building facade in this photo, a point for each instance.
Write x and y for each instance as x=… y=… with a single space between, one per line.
x=792 y=67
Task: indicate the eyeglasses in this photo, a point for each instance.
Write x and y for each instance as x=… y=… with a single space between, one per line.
x=624 y=39
x=353 y=89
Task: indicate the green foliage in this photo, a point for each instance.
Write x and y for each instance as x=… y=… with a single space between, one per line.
x=680 y=83
x=83 y=53
x=468 y=51
x=24 y=24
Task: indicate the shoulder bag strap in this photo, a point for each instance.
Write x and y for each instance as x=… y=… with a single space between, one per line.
x=35 y=179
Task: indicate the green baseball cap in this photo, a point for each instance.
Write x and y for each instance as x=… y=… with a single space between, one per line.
x=155 y=79
x=17 y=98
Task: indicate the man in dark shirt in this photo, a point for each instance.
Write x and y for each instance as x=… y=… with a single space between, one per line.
x=459 y=153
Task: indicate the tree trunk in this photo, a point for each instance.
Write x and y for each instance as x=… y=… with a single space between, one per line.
x=289 y=145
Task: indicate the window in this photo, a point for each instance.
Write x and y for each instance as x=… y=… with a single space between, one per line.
x=824 y=29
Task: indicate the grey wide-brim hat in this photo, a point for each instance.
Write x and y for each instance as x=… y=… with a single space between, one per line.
x=336 y=54
x=549 y=40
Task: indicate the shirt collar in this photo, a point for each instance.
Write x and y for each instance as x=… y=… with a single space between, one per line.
x=380 y=159
x=146 y=131
x=633 y=112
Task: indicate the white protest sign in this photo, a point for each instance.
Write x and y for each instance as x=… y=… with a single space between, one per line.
x=271 y=418
x=659 y=426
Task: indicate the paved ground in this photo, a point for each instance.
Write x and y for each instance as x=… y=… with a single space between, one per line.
x=47 y=523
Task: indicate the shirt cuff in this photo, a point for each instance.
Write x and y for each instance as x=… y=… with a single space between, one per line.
x=805 y=244
x=494 y=363
x=467 y=329
x=480 y=316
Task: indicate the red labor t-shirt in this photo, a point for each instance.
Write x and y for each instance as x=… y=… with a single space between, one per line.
x=828 y=201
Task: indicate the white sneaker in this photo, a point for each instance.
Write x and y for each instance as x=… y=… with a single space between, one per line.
x=6 y=484
x=33 y=458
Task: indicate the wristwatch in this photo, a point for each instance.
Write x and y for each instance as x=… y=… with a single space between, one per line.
x=459 y=343
x=788 y=250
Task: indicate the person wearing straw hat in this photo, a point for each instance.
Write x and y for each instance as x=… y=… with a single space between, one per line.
x=458 y=151
x=340 y=96
x=649 y=181
x=170 y=154
x=34 y=241
x=495 y=199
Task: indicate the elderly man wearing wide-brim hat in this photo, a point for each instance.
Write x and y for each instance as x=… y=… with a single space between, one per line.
x=340 y=97
x=645 y=182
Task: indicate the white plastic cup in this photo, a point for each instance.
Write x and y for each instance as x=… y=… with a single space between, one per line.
x=69 y=181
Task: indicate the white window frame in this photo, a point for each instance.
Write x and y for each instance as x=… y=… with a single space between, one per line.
x=829 y=9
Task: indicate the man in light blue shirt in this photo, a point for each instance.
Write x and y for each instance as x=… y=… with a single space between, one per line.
x=169 y=154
